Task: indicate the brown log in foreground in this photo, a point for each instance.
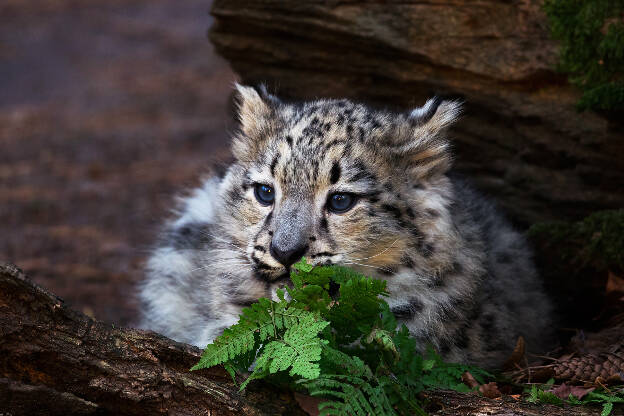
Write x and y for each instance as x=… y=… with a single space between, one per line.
x=55 y=361
x=521 y=139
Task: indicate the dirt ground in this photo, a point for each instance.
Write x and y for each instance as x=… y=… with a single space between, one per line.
x=107 y=110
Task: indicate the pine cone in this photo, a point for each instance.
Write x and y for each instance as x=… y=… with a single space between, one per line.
x=589 y=368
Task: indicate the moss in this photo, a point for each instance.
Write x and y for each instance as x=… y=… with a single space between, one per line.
x=591 y=33
x=597 y=241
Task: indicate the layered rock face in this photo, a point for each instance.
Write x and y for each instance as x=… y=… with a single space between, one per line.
x=521 y=139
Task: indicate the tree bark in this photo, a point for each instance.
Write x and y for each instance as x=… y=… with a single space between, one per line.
x=521 y=138
x=56 y=361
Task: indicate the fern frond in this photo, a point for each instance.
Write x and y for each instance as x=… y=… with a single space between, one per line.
x=299 y=350
x=347 y=349
x=257 y=323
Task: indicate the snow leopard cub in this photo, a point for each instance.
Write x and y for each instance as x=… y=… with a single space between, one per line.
x=344 y=184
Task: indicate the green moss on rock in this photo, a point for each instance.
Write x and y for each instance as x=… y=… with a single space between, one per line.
x=596 y=241
x=592 y=48
x=575 y=259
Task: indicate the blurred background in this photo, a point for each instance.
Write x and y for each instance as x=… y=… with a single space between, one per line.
x=108 y=109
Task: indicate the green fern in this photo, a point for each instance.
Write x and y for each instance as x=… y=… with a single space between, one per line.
x=345 y=348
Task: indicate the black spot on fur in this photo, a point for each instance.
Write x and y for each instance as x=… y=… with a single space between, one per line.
x=436 y=282
x=362 y=173
x=315 y=170
x=457 y=267
x=407 y=311
x=347 y=150
x=428 y=250
x=194 y=235
x=312 y=238
x=332 y=144
x=458 y=303
x=394 y=210
x=268 y=220
x=503 y=258
x=387 y=272
x=260 y=249
x=409 y=212
x=322 y=254
x=289 y=140
x=274 y=163
x=263 y=266
x=418 y=235
x=234 y=197
x=432 y=213
x=361 y=134
x=407 y=261
x=350 y=131
x=335 y=173
x=323 y=224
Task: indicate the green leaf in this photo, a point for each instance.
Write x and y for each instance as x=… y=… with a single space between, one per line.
x=428 y=365
x=606 y=409
x=303 y=266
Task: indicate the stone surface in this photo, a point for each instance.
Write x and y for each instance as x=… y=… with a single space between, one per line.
x=521 y=138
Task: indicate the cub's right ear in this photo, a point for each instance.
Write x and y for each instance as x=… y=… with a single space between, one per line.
x=422 y=143
x=255 y=111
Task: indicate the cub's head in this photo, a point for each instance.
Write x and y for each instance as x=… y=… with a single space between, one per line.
x=337 y=182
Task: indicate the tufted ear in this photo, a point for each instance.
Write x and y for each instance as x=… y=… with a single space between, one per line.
x=256 y=113
x=422 y=143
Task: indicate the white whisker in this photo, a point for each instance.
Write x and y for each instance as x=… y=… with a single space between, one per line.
x=378 y=254
x=372 y=267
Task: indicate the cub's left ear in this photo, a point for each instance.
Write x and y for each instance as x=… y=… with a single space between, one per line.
x=256 y=111
x=422 y=144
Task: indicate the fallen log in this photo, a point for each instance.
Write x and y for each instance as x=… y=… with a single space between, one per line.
x=56 y=361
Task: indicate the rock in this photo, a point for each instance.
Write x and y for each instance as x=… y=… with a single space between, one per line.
x=521 y=139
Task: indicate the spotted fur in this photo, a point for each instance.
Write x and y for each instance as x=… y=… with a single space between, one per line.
x=459 y=277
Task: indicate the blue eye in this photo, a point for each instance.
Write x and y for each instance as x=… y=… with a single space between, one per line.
x=264 y=194
x=340 y=203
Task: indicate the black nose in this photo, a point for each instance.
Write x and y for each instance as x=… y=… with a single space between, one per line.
x=289 y=256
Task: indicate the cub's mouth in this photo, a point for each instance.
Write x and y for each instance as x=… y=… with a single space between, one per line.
x=272 y=276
